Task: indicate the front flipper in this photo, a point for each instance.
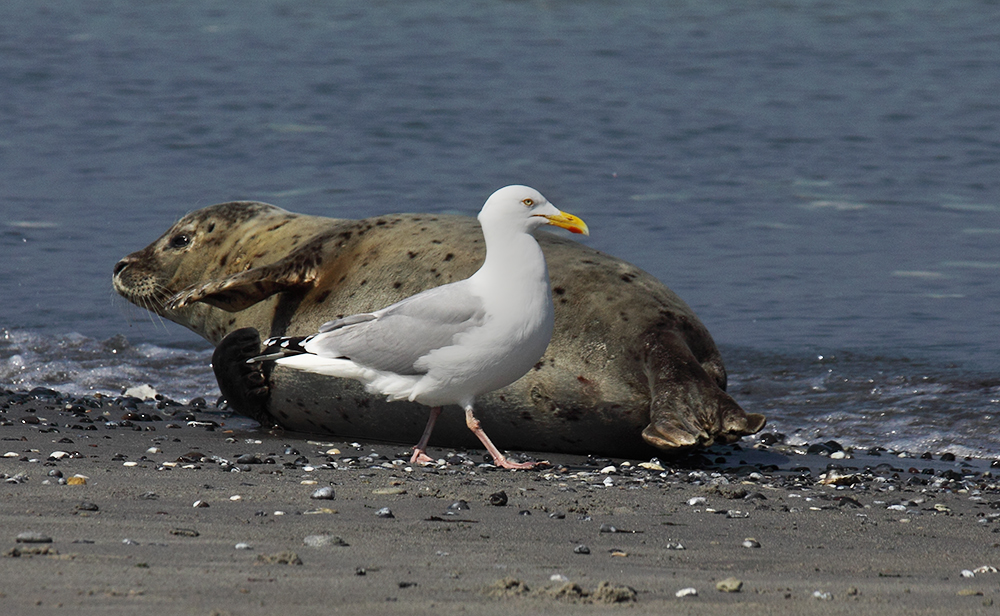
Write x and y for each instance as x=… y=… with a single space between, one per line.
x=243 y=385
x=297 y=271
x=688 y=408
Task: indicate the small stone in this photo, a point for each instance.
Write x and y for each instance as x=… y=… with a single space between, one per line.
x=281 y=558
x=459 y=505
x=76 y=480
x=154 y=450
x=968 y=574
x=323 y=541
x=498 y=499
x=389 y=491
x=729 y=584
x=243 y=546
x=970 y=592
x=184 y=532
x=750 y=542
x=581 y=549
x=686 y=592
x=822 y=596
x=199 y=504
x=324 y=493
x=85 y=506
x=384 y=512
x=32 y=537
x=696 y=501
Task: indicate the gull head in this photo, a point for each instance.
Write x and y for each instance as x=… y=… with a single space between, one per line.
x=525 y=209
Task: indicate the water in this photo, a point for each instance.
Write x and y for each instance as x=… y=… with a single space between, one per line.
x=818 y=180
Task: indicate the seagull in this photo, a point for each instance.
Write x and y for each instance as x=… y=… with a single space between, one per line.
x=451 y=343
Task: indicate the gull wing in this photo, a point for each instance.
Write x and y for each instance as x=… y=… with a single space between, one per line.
x=394 y=338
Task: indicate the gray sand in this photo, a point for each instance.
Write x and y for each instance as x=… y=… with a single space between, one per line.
x=891 y=539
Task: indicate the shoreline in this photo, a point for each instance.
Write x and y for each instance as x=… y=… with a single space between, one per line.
x=825 y=534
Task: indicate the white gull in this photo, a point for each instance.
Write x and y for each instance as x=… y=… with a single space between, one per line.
x=451 y=343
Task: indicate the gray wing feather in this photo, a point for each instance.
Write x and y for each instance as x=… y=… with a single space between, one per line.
x=394 y=338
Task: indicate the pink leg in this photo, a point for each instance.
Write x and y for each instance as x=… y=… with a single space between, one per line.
x=420 y=449
x=498 y=458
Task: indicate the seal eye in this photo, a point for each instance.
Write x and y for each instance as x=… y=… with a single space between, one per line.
x=179 y=241
x=528 y=202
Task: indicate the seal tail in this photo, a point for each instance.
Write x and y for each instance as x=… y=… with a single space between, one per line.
x=688 y=404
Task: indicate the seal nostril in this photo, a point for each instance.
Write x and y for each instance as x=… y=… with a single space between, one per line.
x=120 y=266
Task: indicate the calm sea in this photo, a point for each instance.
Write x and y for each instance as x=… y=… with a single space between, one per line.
x=819 y=180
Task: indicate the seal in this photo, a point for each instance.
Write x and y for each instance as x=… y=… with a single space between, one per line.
x=629 y=365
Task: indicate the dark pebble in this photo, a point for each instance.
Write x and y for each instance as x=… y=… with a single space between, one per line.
x=498 y=499
x=524 y=512
x=557 y=515
x=248 y=458
x=85 y=506
x=947 y=457
x=460 y=505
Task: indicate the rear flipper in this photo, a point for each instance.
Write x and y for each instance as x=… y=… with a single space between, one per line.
x=688 y=407
x=243 y=385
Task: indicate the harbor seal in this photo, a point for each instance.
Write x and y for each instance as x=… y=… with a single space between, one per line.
x=629 y=365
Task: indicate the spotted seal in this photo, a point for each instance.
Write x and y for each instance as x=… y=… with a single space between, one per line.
x=629 y=365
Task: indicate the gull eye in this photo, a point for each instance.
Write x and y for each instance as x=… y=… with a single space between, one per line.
x=528 y=202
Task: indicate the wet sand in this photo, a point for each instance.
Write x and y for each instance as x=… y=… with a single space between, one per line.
x=879 y=534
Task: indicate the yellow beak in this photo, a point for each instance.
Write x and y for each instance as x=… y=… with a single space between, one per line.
x=568 y=221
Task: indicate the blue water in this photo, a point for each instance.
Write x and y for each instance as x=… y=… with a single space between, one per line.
x=820 y=181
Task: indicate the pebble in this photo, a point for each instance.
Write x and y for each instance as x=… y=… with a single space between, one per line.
x=697 y=500
x=322 y=541
x=687 y=592
x=324 y=493
x=581 y=549
x=76 y=480
x=498 y=499
x=243 y=546
x=200 y=503
x=384 y=512
x=459 y=505
x=32 y=537
x=85 y=506
x=729 y=584
x=388 y=491
x=822 y=596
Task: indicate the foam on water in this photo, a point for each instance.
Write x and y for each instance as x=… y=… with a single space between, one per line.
x=79 y=365
x=868 y=401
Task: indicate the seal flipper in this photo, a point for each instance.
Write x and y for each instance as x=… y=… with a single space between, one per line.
x=243 y=385
x=688 y=407
x=296 y=272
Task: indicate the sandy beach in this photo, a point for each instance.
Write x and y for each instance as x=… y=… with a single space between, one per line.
x=111 y=506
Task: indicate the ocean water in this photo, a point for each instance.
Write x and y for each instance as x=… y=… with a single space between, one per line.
x=820 y=181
